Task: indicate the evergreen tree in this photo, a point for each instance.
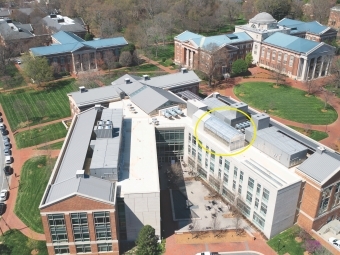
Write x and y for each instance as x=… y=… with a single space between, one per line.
x=147 y=242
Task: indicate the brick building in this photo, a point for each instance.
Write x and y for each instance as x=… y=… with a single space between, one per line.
x=302 y=41
x=74 y=54
x=334 y=18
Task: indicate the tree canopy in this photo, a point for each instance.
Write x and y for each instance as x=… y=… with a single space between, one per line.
x=277 y=8
x=249 y=59
x=147 y=242
x=239 y=67
x=38 y=69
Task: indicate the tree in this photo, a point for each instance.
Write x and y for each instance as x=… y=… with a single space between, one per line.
x=87 y=79
x=311 y=86
x=278 y=75
x=89 y=36
x=277 y=8
x=147 y=242
x=38 y=69
x=327 y=96
x=322 y=251
x=125 y=58
x=109 y=59
x=249 y=59
x=335 y=70
x=175 y=174
x=5 y=250
x=239 y=67
x=320 y=10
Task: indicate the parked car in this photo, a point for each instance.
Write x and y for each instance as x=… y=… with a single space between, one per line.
x=4 y=132
x=2 y=208
x=1 y=120
x=8 y=159
x=207 y=253
x=7 y=147
x=6 y=142
x=8 y=170
x=2 y=126
x=334 y=241
x=18 y=61
x=7 y=152
x=5 y=138
x=3 y=195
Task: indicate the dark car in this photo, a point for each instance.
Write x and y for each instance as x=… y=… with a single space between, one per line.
x=5 y=138
x=8 y=170
x=7 y=152
x=1 y=120
x=2 y=208
x=4 y=132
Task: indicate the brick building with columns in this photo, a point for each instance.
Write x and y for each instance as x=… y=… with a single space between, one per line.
x=292 y=47
x=73 y=54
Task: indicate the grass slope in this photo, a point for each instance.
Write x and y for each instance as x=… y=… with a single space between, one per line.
x=33 y=180
x=40 y=135
x=286 y=102
x=314 y=134
x=18 y=243
x=54 y=98
x=53 y=146
x=12 y=78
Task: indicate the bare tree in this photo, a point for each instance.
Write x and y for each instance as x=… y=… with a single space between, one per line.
x=87 y=79
x=109 y=59
x=175 y=174
x=320 y=10
x=326 y=97
x=278 y=74
x=125 y=58
x=311 y=86
x=194 y=228
x=335 y=70
x=307 y=128
x=238 y=207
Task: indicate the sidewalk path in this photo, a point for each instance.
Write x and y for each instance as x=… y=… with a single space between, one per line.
x=332 y=129
x=9 y=220
x=166 y=69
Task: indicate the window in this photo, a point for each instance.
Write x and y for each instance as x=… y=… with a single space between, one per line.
x=212 y=154
x=61 y=249
x=83 y=248
x=57 y=228
x=255 y=49
x=235 y=172
x=273 y=55
x=285 y=57
x=262 y=52
x=193 y=152
x=104 y=247
x=268 y=54
x=239 y=189
x=241 y=177
x=189 y=136
x=102 y=225
x=189 y=149
x=220 y=161
x=199 y=157
x=225 y=179
x=291 y=60
x=263 y=209
x=194 y=140
x=258 y=220
x=226 y=166
x=207 y=151
x=245 y=209
x=250 y=184
x=219 y=173
x=256 y=203
x=265 y=195
x=249 y=197
x=279 y=57
x=206 y=163
x=337 y=195
x=200 y=145
x=80 y=227
x=234 y=185
x=325 y=199
x=212 y=167
x=258 y=189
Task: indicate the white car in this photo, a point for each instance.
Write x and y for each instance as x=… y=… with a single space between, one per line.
x=18 y=61
x=334 y=241
x=3 y=195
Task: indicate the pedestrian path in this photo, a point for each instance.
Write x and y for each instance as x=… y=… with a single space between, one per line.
x=164 y=68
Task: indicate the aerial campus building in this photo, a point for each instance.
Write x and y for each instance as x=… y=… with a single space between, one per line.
x=294 y=48
x=105 y=183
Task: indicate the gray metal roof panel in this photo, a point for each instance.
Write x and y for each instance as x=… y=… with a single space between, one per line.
x=172 y=80
x=96 y=95
x=215 y=103
x=320 y=166
x=75 y=153
x=62 y=189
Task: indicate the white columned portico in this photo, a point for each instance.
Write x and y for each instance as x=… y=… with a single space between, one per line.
x=187 y=57
x=328 y=64
x=191 y=58
x=314 y=67
x=304 y=68
x=321 y=67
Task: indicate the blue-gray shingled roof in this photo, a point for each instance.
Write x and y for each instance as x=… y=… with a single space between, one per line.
x=297 y=26
x=187 y=35
x=67 y=37
x=290 y=42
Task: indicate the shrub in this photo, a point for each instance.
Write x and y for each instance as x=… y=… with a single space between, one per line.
x=312 y=245
x=163 y=60
x=239 y=67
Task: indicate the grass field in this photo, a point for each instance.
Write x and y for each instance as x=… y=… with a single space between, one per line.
x=16 y=243
x=314 y=134
x=286 y=102
x=40 y=135
x=41 y=106
x=53 y=146
x=167 y=51
x=12 y=79
x=33 y=180
x=144 y=68
x=287 y=243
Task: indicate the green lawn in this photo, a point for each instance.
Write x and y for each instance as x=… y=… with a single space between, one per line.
x=16 y=243
x=144 y=68
x=285 y=102
x=53 y=146
x=287 y=243
x=332 y=88
x=33 y=180
x=314 y=134
x=167 y=51
x=12 y=78
x=41 y=106
x=40 y=135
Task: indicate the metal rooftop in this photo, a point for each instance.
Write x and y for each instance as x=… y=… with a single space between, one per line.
x=188 y=95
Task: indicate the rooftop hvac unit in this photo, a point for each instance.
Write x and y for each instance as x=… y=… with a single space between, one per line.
x=127 y=80
x=184 y=70
x=80 y=173
x=82 y=89
x=100 y=122
x=146 y=77
x=108 y=127
x=108 y=122
x=53 y=16
x=179 y=111
x=61 y=20
x=100 y=127
x=167 y=115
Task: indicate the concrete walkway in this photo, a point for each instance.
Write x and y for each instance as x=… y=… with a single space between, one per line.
x=332 y=129
x=9 y=220
x=164 y=68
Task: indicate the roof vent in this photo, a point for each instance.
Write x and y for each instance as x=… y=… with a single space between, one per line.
x=320 y=149
x=82 y=89
x=80 y=173
x=52 y=15
x=61 y=20
x=184 y=70
x=20 y=29
x=146 y=77
x=98 y=107
x=127 y=80
x=100 y=122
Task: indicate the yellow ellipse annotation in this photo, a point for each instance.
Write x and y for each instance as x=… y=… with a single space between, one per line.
x=226 y=154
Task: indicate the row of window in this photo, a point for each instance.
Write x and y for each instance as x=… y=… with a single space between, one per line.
x=326 y=196
x=82 y=248
x=80 y=227
x=279 y=56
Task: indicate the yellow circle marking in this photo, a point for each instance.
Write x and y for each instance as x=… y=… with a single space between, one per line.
x=225 y=108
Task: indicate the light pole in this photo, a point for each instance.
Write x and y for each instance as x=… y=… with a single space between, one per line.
x=278 y=245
